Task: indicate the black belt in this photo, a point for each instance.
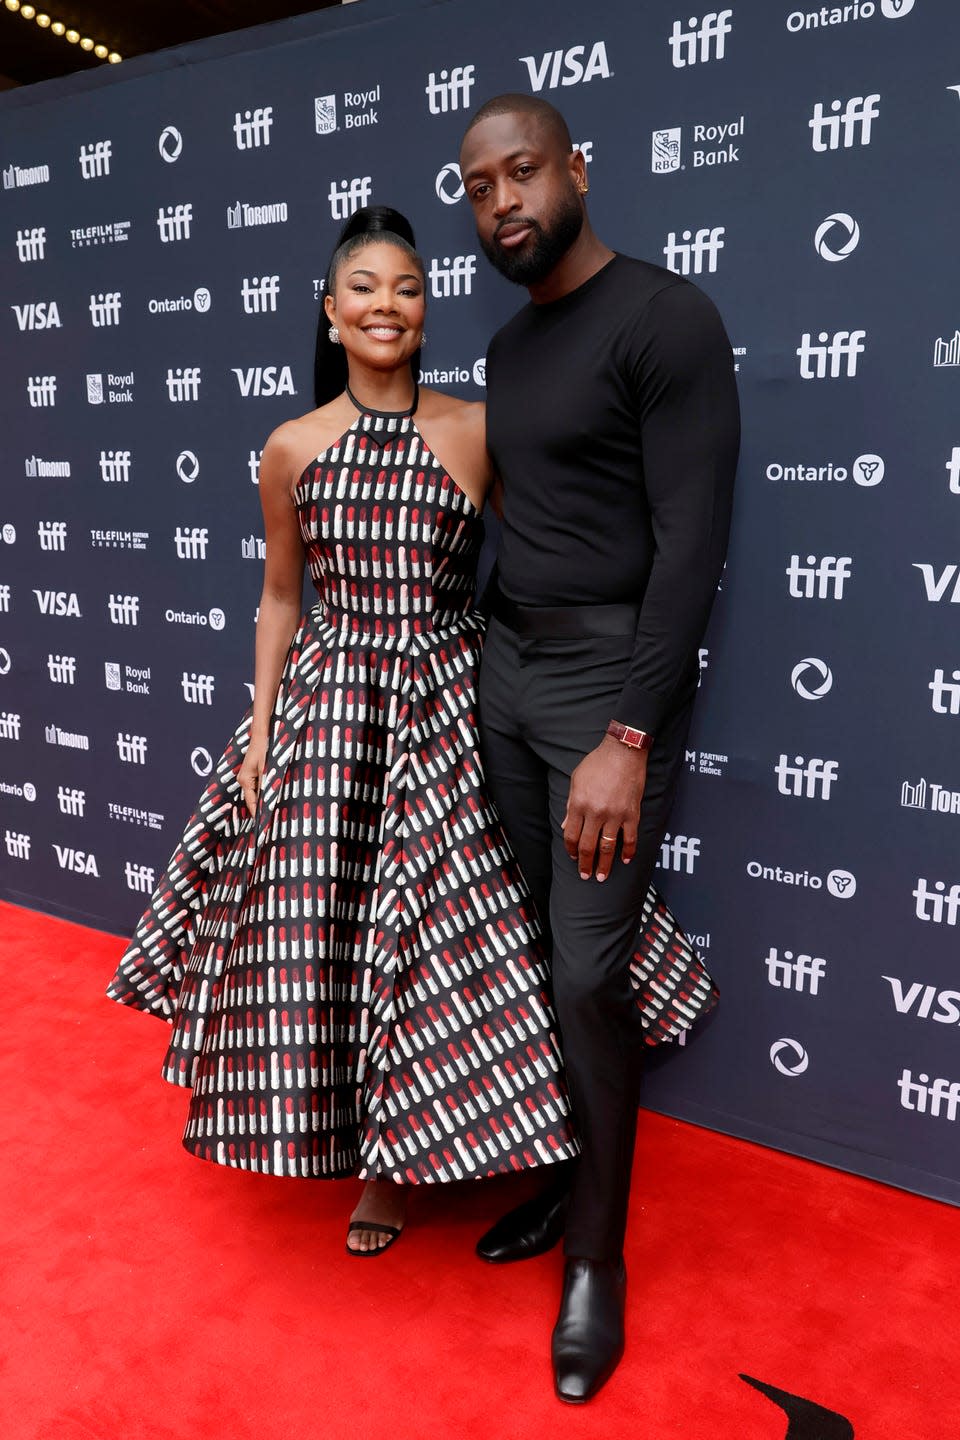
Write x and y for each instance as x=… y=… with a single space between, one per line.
x=563 y=622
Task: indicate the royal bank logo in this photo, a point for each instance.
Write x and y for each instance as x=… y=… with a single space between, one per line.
x=16 y=176
x=183 y=384
x=105 y=308
x=38 y=315
x=174 y=222
x=576 y=66
x=812 y=679
x=847 y=124
x=346 y=196
x=801 y=973
x=699 y=39
x=837 y=237
x=41 y=391
x=451 y=276
x=31 y=244
x=946 y=352
x=921 y=795
x=665 y=150
x=264 y=381
x=170 y=144
x=806 y=779
x=117 y=391
x=695 y=252
x=252 y=128
x=259 y=294
x=112 y=232
x=325 y=114
x=945 y=693
x=449 y=184
x=133 y=679
x=834 y=357
x=450 y=90
x=95 y=159
x=822 y=579
x=241 y=215
x=789 y=1057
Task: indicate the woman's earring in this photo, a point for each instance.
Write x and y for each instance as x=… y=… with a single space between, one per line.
x=334 y=334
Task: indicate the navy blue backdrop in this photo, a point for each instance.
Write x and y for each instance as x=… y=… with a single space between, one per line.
x=165 y=227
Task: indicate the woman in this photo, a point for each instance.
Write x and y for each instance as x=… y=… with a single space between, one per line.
x=342 y=940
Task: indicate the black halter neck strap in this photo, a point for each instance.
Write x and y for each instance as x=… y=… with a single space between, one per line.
x=388 y=414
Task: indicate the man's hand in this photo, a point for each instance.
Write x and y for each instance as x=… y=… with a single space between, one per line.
x=605 y=794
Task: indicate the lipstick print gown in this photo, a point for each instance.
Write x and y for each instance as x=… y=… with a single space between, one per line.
x=352 y=977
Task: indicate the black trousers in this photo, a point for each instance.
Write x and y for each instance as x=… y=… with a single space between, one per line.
x=544 y=704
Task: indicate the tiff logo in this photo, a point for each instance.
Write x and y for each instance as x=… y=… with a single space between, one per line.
x=687 y=255
x=844 y=345
x=946 y=693
x=173 y=222
x=252 y=128
x=62 y=669
x=132 y=749
x=71 y=802
x=18 y=844
x=812 y=779
x=790 y=972
x=936 y=903
x=139 y=877
x=260 y=295
x=95 y=159
x=191 y=544
x=952 y=468
x=822 y=579
x=941 y=1097
x=345 y=196
x=124 y=609
x=197 y=689
x=936 y=586
x=692 y=43
x=679 y=852
x=105 y=308
x=451 y=91
x=9 y=725
x=115 y=466
x=452 y=277
x=31 y=244
x=860 y=113
x=41 y=391
x=183 y=384
x=53 y=534
x=253 y=465
x=4 y=599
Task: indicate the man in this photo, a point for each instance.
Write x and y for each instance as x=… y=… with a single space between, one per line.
x=613 y=421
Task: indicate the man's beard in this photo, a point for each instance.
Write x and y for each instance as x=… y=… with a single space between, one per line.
x=536 y=259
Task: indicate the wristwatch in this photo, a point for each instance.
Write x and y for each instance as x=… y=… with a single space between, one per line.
x=627 y=735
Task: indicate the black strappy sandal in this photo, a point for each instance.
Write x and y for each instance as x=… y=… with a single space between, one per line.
x=394 y=1231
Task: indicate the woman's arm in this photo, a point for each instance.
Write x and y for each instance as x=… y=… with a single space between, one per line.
x=280 y=603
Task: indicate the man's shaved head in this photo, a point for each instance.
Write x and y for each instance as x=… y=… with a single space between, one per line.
x=549 y=120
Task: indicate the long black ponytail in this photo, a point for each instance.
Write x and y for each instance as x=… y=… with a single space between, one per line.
x=373 y=221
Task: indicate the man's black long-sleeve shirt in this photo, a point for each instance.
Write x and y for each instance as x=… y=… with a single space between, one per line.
x=612 y=417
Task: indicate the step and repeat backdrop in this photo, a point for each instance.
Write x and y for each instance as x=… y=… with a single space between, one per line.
x=164 y=231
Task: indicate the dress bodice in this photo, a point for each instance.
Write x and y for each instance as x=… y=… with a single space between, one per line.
x=392 y=541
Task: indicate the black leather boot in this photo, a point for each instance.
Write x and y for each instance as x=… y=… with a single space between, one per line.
x=588 y=1337
x=531 y=1229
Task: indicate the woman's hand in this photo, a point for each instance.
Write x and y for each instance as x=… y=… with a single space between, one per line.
x=251 y=771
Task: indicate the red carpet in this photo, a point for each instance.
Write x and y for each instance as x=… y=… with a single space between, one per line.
x=149 y=1296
